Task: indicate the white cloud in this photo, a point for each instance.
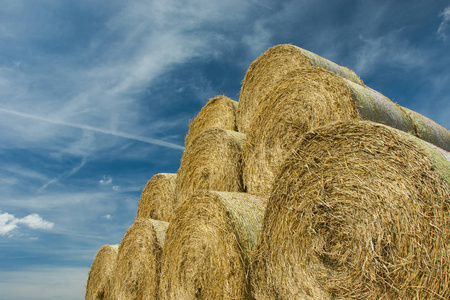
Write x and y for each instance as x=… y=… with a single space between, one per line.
x=6 y=223
x=9 y=222
x=107 y=217
x=34 y=221
x=106 y=180
x=444 y=26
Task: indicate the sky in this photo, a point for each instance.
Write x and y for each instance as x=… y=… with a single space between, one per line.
x=96 y=97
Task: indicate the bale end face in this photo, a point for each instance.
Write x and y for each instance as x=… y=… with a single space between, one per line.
x=212 y=162
x=100 y=273
x=358 y=211
x=158 y=198
x=208 y=245
x=219 y=112
x=136 y=275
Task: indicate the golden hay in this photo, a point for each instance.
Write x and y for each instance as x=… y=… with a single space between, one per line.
x=158 y=198
x=358 y=211
x=137 y=271
x=305 y=99
x=211 y=162
x=267 y=70
x=219 y=112
x=208 y=246
x=100 y=273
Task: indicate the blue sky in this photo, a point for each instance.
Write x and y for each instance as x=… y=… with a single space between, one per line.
x=96 y=96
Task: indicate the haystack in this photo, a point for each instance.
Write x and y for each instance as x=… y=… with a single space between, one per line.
x=358 y=211
x=208 y=247
x=303 y=100
x=219 y=112
x=158 y=198
x=102 y=268
x=211 y=162
x=137 y=271
x=269 y=68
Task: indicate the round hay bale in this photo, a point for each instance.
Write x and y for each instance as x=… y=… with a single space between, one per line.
x=211 y=162
x=305 y=99
x=219 y=112
x=358 y=211
x=374 y=106
x=302 y=100
x=158 y=198
x=208 y=246
x=102 y=268
x=137 y=271
x=268 y=69
x=428 y=130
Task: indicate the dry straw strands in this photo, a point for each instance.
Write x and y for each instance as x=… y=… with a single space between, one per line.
x=305 y=99
x=211 y=162
x=99 y=279
x=219 y=112
x=266 y=71
x=208 y=246
x=158 y=198
x=137 y=271
x=358 y=211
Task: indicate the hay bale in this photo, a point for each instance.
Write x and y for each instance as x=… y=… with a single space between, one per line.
x=428 y=130
x=219 y=112
x=208 y=246
x=158 y=198
x=269 y=68
x=374 y=106
x=303 y=100
x=211 y=162
x=137 y=271
x=100 y=273
x=358 y=211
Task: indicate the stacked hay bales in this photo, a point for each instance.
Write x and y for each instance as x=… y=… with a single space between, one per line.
x=219 y=112
x=99 y=280
x=295 y=205
x=208 y=246
x=358 y=211
x=158 y=198
x=269 y=69
x=137 y=271
x=211 y=162
x=305 y=99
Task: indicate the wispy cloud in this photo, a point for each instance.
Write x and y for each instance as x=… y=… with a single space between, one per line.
x=9 y=222
x=106 y=180
x=107 y=217
x=444 y=26
x=389 y=49
x=99 y=130
x=63 y=175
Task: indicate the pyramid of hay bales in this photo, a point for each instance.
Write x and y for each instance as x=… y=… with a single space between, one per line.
x=312 y=186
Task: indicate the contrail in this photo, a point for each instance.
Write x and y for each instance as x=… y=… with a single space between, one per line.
x=100 y=130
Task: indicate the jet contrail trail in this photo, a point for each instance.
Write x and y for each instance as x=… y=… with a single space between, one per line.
x=100 y=130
